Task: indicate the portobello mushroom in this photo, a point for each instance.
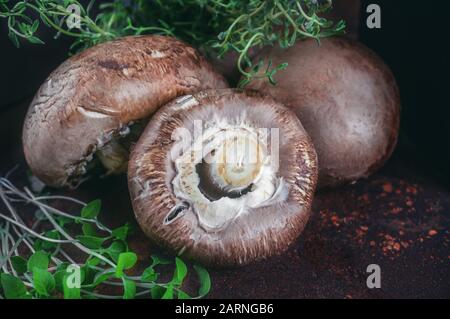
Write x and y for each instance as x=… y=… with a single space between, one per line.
x=346 y=98
x=87 y=105
x=224 y=177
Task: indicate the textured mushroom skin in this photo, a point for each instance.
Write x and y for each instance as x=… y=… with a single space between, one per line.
x=346 y=98
x=263 y=232
x=96 y=93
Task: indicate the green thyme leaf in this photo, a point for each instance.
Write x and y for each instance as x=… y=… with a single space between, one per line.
x=216 y=27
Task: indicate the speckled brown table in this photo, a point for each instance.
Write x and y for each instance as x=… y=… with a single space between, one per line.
x=398 y=219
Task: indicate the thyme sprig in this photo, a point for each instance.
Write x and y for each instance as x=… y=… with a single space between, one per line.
x=218 y=27
x=37 y=261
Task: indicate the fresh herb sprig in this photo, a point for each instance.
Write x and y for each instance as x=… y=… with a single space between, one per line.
x=218 y=27
x=49 y=243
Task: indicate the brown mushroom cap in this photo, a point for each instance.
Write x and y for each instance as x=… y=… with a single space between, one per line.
x=188 y=212
x=95 y=95
x=346 y=98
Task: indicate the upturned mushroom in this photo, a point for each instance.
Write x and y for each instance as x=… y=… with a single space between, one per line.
x=93 y=104
x=223 y=177
x=346 y=98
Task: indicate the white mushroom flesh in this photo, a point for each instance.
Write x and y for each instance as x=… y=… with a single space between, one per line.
x=237 y=162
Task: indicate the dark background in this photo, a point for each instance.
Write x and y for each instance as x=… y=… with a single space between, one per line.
x=413 y=42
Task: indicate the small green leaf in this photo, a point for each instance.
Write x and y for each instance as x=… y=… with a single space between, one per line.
x=156 y=260
x=13 y=287
x=38 y=260
x=282 y=66
x=44 y=19
x=49 y=246
x=62 y=266
x=180 y=272
x=14 y=39
x=59 y=279
x=205 y=281
x=121 y=232
x=93 y=261
x=62 y=276
x=92 y=209
x=70 y=292
x=91 y=242
x=129 y=289
x=23 y=27
x=87 y=274
x=103 y=276
x=19 y=264
x=34 y=26
x=43 y=281
x=35 y=40
x=38 y=244
x=63 y=220
x=169 y=293
x=126 y=261
x=149 y=275
x=116 y=248
x=89 y=229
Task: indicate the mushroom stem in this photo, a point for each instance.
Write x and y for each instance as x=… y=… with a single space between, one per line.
x=114 y=157
x=236 y=164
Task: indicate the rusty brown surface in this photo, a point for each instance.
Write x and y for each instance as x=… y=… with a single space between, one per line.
x=395 y=219
x=398 y=219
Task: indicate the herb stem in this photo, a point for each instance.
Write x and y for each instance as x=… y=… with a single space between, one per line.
x=67 y=236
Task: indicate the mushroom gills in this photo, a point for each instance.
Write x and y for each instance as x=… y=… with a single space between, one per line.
x=176 y=213
x=109 y=156
x=225 y=173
